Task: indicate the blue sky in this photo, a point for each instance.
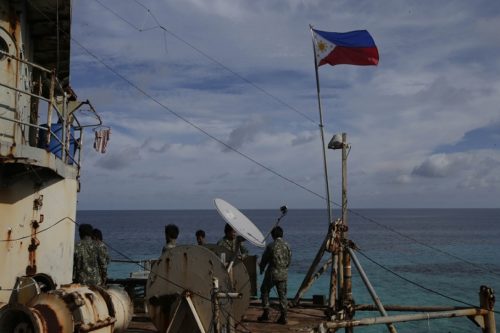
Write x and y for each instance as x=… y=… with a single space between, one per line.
x=424 y=125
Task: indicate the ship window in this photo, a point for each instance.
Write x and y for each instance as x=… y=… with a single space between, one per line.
x=4 y=47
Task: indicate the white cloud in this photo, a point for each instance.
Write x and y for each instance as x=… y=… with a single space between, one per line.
x=431 y=87
x=440 y=165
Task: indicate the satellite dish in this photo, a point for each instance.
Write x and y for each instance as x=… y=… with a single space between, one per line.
x=240 y=223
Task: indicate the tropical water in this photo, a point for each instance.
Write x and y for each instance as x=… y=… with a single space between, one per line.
x=411 y=256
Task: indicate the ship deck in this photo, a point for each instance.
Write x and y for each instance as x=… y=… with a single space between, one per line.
x=300 y=319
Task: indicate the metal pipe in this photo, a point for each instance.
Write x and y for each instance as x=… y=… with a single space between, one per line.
x=322 y=269
x=34 y=107
x=275 y=225
x=25 y=92
x=24 y=61
x=325 y=168
x=229 y=295
x=370 y=288
x=23 y=123
x=489 y=322
x=404 y=318
x=64 y=131
x=216 y=306
x=51 y=103
x=413 y=308
x=333 y=278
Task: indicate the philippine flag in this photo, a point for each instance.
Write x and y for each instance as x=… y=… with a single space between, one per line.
x=350 y=48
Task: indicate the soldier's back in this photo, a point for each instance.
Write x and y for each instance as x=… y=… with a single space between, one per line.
x=87 y=262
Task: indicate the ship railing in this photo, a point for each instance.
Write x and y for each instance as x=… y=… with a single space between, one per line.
x=62 y=133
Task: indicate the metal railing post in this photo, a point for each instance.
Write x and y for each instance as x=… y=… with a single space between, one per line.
x=51 y=104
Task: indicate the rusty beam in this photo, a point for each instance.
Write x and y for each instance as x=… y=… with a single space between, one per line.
x=404 y=318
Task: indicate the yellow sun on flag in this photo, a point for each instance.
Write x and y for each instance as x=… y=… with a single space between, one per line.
x=322 y=46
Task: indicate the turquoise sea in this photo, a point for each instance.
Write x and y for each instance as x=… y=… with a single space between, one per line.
x=449 y=252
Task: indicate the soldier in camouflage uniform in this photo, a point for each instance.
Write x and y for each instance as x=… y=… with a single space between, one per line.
x=230 y=241
x=103 y=252
x=276 y=257
x=88 y=263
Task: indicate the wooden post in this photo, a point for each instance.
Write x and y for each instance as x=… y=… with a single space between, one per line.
x=333 y=283
x=487 y=302
x=347 y=273
x=340 y=272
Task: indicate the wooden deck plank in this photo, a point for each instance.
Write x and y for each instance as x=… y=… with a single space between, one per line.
x=300 y=319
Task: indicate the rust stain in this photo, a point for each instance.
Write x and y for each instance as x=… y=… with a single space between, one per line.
x=73 y=300
x=8 y=239
x=31 y=268
x=38 y=203
x=15 y=27
x=50 y=317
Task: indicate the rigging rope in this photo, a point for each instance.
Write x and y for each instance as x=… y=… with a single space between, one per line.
x=215 y=61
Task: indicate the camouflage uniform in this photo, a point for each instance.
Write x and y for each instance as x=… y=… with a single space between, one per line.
x=103 y=253
x=277 y=256
x=231 y=245
x=88 y=262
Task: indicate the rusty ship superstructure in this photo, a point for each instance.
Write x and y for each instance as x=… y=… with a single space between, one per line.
x=41 y=138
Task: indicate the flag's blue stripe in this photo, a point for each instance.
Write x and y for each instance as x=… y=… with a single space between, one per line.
x=358 y=38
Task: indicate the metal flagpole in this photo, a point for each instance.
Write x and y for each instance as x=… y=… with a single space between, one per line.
x=328 y=201
x=309 y=276
x=333 y=280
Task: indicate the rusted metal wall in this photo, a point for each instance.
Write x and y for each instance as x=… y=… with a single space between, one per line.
x=37 y=231
x=37 y=192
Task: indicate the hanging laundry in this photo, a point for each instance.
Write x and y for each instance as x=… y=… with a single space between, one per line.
x=101 y=139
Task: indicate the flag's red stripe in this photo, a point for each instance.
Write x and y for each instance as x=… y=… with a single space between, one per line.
x=362 y=56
